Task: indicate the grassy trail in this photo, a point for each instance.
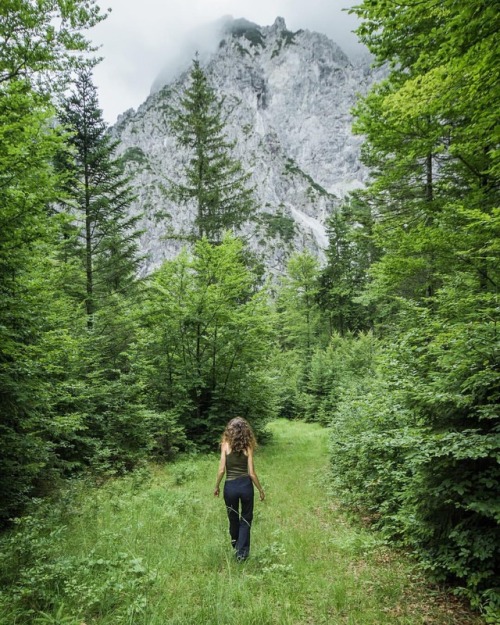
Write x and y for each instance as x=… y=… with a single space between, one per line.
x=308 y=564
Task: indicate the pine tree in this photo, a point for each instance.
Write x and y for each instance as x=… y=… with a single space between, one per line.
x=103 y=233
x=32 y=49
x=100 y=253
x=214 y=181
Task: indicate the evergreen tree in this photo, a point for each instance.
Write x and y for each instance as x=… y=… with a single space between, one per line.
x=104 y=233
x=32 y=49
x=300 y=330
x=297 y=304
x=214 y=182
x=349 y=256
x=100 y=253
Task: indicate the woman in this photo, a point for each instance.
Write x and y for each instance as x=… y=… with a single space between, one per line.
x=236 y=461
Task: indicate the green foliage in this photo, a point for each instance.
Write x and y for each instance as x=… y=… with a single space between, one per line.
x=287 y=38
x=299 y=317
x=204 y=348
x=135 y=154
x=429 y=137
x=44 y=580
x=333 y=369
x=416 y=442
x=103 y=235
x=243 y=51
x=42 y=41
x=46 y=378
x=291 y=167
x=249 y=30
x=350 y=254
x=93 y=375
x=26 y=234
x=96 y=271
x=143 y=549
x=416 y=445
x=303 y=332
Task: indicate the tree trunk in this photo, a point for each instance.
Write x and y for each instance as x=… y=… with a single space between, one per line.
x=89 y=304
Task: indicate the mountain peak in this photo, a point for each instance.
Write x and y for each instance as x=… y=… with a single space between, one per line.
x=279 y=25
x=289 y=98
x=242 y=27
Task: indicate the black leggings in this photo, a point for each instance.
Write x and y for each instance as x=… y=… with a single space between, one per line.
x=236 y=492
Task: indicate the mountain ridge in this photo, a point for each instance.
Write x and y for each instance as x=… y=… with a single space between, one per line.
x=292 y=93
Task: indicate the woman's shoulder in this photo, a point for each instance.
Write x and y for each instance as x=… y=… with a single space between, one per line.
x=227 y=448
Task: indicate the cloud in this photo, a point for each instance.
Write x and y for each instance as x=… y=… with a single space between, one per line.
x=140 y=40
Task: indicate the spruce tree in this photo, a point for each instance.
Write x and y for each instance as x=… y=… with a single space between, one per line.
x=349 y=255
x=214 y=182
x=100 y=251
x=38 y=41
x=103 y=232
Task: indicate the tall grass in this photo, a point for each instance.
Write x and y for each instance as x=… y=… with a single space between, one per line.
x=154 y=549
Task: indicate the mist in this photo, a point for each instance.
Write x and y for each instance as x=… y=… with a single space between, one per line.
x=154 y=44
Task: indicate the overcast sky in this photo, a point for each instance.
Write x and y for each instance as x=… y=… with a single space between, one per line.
x=140 y=38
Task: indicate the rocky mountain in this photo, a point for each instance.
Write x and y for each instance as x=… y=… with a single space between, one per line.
x=292 y=93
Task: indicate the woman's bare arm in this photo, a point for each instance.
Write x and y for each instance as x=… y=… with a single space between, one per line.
x=253 y=475
x=222 y=469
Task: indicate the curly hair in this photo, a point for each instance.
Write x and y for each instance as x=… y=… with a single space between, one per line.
x=239 y=435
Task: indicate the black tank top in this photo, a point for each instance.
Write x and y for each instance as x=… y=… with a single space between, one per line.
x=236 y=465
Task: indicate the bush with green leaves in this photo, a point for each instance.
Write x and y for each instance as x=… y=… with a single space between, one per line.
x=44 y=574
x=416 y=444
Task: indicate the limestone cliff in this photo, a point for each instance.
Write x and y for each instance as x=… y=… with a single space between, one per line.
x=292 y=93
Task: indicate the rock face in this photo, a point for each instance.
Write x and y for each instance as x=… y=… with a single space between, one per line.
x=292 y=94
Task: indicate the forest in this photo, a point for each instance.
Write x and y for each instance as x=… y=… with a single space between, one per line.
x=391 y=346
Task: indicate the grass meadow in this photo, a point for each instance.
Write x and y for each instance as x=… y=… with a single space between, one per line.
x=153 y=549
